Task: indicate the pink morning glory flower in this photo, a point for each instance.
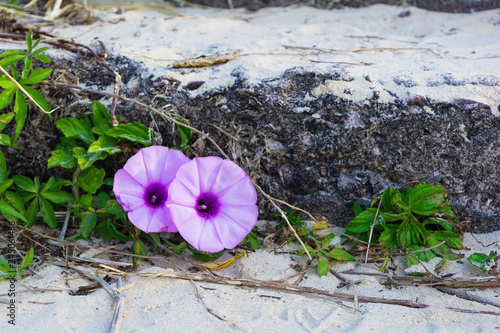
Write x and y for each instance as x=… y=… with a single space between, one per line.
x=142 y=187
x=213 y=203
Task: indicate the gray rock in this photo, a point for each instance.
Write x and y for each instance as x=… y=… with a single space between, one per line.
x=319 y=154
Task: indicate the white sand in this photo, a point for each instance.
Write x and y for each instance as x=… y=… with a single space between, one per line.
x=442 y=56
x=162 y=304
x=424 y=50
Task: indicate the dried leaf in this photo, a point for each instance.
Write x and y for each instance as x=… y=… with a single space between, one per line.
x=213 y=266
x=320 y=225
x=205 y=61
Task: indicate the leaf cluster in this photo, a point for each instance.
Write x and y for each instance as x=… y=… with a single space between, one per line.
x=11 y=86
x=10 y=271
x=323 y=251
x=416 y=220
x=488 y=263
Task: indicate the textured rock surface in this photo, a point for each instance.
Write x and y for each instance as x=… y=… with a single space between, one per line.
x=456 y=6
x=322 y=134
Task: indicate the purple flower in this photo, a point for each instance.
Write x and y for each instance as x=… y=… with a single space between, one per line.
x=213 y=203
x=141 y=187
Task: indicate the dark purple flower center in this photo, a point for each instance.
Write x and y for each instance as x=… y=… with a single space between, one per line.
x=207 y=205
x=156 y=195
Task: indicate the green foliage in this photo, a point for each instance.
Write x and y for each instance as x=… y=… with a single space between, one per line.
x=487 y=263
x=253 y=240
x=185 y=136
x=204 y=256
x=294 y=218
x=10 y=271
x=418 y=220
x=42 y=196
x=323 y=251
x=11 y=91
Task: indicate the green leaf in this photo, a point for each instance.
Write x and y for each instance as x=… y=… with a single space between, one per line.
x=3 y=168
x=47 y=213
x=105 y=144
x=112 y=207
x=42 y=58
x=29 y=40
x=38 y=98
x=426 y=196
x=85 y=200
x=25 y=183
x=27 y=67
x=138 y=248
x=408 y=235
x=357 y=208
x=15 y=200
x=388 y=198
x=76 y=128
x=57 y=196
x=362 y=222
x=5 y=119
x=37 y=76
x=67 y=145
x=6 y=208
x=40 y=50
x=91 y=179
x=323 y=266
x=32 y=211
x=85 y=159
x=326 y=241
x=88 y=223
x=5 y=99
x=10 y=60
x=28 y=259
x=204 y=256
x=5 y=185
x=135 y=132
x=5 y=140
x=11 y=52
x=388 y=237
x=61 y=158
x=21 y=111
x=340 y=254
x=418 y=226
x=102 y=118
x=185 y=136
x=451 y=239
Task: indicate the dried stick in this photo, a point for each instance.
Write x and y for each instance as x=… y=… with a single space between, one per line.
x=88 y=274
x=492 y=282
x=474 y=312
x=371 y=232
x=279 y=286
x=117 y=315
x=467 y=296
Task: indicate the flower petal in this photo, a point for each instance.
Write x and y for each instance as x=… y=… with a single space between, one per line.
x=233 y=223
x=188 y=222
x=240 y=193
x=174 y=160
x=136 y=167
x=179 y=194
x=150 y=219
x=209 y=238
x=129 y=193
x=230 y=173
x=188 y=175
x=208 y=168
x=154 y=158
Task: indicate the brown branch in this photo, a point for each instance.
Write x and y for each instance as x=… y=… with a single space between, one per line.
x=467 y=296
x=492 y=282
x=279 y=286
x=474 y=312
